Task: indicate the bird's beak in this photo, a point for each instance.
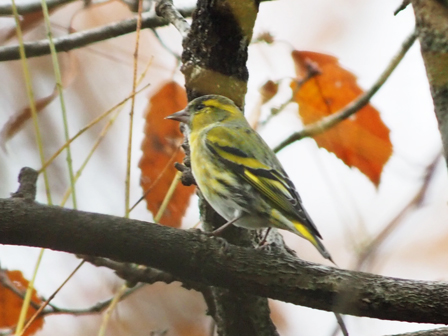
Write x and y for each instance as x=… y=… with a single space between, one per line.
x=182 y=116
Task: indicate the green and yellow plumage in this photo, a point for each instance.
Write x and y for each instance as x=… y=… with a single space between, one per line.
x=238 y=174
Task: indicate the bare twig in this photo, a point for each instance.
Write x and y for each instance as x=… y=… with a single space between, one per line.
x=134 y=274
x=131 y=273
x=403 y=6
x=163 y=44
x=166 y=9
x=127 y=192
x=86 y=37
x=335 y=118
x=87 y=127
x=6 y=282
x=341 y=324
x=47 y=302
x=96 y=308
x=415 y=202
x=30 y=7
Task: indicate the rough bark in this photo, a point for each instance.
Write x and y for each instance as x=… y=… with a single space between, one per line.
x=432 y=24
x=195 y=257
x=216 y=49
x=214 y=62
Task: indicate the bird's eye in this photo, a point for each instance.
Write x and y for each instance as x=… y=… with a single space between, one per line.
x=201 y=106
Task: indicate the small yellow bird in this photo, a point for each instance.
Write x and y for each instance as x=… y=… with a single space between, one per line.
x=238 y=174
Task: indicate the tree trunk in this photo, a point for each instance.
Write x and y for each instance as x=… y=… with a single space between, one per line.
x=432 y=24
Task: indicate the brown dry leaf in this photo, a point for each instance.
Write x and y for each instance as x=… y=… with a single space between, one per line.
x=362 y=141
x=11 y=303
x=17 y=121
x=30 y=21
x=266 y=37
x=27 y=22
x=160 y=150
x=268 y=91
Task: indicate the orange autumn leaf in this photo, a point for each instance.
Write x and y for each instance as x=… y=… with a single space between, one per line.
x=161 y=149
x=361 y=141
x=11 y=303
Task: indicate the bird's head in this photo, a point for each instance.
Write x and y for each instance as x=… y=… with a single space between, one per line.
x=207 y=110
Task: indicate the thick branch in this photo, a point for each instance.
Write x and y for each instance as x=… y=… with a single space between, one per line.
x=195 y=257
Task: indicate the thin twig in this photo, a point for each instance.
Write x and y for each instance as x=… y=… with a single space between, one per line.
x=163 y=44
x=131 y=273
x=127 y=202
x=87 y=127
x=42 y=307
x=30 y=94
x=85 y=37
x=22 y=54
x=166 y=9
x=59 y=87
x=134 y=274
x=143 y=274
x=110 y=309
x=97 y=308
x=403 y=6
x=161 y=174
x=335 y=118
x=6 y=282
x=341 y=324
x=168 y=196
x=368 y=252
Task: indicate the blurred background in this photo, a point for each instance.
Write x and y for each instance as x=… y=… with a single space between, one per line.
x=348 y=209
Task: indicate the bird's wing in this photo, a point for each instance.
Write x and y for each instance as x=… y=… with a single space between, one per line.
x=243 y=151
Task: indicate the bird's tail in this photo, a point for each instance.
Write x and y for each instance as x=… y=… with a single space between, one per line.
x=306 y=233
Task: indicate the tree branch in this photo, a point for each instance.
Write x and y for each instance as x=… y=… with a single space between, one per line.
x=30 y=7
x=86 y=37
x=192 y=256
x=166 y=9
x=96 y=308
